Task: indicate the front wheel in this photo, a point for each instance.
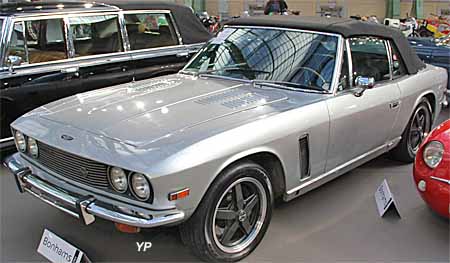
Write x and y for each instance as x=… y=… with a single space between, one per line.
x=418 y=128
x=233 y=216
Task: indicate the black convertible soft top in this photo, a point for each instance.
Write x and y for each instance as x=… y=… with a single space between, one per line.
x=191 y=30
x=345 y=27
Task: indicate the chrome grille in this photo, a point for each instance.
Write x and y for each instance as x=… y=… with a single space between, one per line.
x=73 y=167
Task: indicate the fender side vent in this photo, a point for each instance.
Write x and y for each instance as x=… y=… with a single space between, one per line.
x=305 y=166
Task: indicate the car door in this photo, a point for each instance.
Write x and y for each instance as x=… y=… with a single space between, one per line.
x=155 y=44
x=42 y=74
x=361 y=124
x=98 y=48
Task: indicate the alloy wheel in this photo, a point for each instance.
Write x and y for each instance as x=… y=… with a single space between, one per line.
x=239 y=215
x=420 y=127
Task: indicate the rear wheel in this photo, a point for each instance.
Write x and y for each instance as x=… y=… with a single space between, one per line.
x=233 y=216
x=418 y=128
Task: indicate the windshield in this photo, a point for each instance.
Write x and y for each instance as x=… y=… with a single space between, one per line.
x=279 y=56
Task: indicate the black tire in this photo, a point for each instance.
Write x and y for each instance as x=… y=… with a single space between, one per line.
x=406 y=150
x=198 y=232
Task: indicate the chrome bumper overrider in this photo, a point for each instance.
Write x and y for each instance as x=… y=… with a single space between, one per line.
x=85 y=208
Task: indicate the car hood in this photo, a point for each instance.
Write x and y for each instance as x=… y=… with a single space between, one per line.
x=143 y=112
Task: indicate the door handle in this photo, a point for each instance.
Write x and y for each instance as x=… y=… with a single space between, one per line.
x=394 y=105
x=74 y=71
x=69 y=70
x=183 y=54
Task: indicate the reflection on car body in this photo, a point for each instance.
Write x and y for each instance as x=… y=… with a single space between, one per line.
x=271 y=108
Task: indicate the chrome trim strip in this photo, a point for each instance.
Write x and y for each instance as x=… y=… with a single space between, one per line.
x=440 y=179
x=4 y=35
x=350 y=64
x=124 y=33
x=114 y=57
x=286 y=29
x=64 y=201
x=390 y=58
x=75 y=12
x=7 y=139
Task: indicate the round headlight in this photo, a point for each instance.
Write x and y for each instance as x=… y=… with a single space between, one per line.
x=33 y=147
x=118 y=179
x=433 y=154
x=20 y=141
x=140 y=186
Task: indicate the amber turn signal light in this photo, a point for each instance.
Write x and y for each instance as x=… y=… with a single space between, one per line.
x=127 y=228
x=179 y=195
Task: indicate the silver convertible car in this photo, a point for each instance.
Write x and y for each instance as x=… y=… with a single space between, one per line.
x=270 y=109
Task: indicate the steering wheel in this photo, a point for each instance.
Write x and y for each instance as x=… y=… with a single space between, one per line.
x=314 y=72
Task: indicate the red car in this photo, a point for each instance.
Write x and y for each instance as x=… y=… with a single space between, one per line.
x=432 y=169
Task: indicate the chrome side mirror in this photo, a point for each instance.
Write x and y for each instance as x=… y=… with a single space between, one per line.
x=12 y=62
x=364 y=83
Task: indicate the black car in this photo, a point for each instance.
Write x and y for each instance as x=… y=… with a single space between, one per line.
x=50 y=50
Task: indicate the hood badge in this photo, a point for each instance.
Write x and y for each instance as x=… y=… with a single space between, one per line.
x=67 y=137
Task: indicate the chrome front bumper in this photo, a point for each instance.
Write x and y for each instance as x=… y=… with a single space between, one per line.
x=85 y=208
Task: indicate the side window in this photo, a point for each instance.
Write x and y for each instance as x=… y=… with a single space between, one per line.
x=45 y=40
x=370 y=58
x=398 y=67
x=150 y=31
x=17 y=43
x=95 y=35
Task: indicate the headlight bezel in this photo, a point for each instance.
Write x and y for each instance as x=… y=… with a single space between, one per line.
x=133 y=190
x=433 y=147
x=30 y=143
x=110 y=179
x=17 y=141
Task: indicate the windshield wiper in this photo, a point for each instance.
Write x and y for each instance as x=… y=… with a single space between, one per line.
x=290 y=86
x=232 y=68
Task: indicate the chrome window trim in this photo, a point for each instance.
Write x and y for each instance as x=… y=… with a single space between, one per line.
x=65 y=33
x=350 y=69
x=351 y=60
x=124 y=33
x=166 y=12
x=120 y=27
x=350 y=63
x=391 y=61
x=4 y=38
x=391 y=51
x=65 y=13
x=287 y=29
x=68 y=35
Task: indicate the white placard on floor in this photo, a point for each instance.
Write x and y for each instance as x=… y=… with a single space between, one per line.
x=385 y=199
x=57 y=250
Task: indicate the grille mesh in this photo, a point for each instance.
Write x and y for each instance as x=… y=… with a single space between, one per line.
x=73 y=167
